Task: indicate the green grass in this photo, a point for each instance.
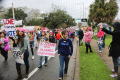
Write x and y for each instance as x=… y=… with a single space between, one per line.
x=92 y=67
x=108 y=39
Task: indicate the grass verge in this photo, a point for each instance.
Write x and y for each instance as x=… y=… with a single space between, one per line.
x=92 y=67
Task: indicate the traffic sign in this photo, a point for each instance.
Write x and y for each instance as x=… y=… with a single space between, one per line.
x=83 y=20
x=78 y=19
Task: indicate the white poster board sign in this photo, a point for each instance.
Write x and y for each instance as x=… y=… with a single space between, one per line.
x=46 y=49
x=17 y=55
x=9 y=26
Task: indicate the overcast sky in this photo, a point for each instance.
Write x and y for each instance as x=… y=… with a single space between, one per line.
x=73 y=7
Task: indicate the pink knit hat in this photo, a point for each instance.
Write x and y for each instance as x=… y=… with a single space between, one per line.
x=89 y=28
x=70 y=31
x=21 y=29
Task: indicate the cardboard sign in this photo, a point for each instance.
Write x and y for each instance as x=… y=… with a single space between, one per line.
x=9 y=26
x=46 y=49
x=17 y=55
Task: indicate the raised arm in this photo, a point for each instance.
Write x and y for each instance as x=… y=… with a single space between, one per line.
x=106 y=31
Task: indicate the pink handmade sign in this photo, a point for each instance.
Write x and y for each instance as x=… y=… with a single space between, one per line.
x=46 y=49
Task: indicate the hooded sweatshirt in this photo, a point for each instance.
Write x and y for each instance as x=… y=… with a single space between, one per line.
x=87 y=36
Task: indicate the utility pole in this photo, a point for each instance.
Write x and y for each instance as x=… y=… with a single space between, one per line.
x=13 y=12
x=83 y=10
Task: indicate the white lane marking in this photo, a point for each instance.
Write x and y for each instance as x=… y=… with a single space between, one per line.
x=36 y=69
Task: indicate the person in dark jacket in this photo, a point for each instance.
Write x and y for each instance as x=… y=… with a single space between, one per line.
x=56 y=32
x=65 y=51
x=80 y=35
x=51 y=38
x=114 y=46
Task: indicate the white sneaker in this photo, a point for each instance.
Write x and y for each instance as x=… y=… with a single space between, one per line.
x=33 y=57
x=60 y=78
x=113 y=75
x=100 y=51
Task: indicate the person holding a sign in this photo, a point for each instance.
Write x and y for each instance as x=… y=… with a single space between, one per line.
x=22 y=44
x=44 y=39
x=4 y=46
x=65 y=50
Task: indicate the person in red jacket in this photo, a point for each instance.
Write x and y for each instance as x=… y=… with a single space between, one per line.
x=100 y=36
x=58 y=36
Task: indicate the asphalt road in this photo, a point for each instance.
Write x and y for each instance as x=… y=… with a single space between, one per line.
x=50 y=72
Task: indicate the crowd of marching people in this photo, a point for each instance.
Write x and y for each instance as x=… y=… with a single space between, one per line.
x=28 y=40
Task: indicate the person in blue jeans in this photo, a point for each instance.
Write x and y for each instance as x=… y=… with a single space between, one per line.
x=44 y=39
x=23 y=46
x=65 y=50
x=100 y=45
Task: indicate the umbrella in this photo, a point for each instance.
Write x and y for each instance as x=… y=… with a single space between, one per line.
x=104 y=26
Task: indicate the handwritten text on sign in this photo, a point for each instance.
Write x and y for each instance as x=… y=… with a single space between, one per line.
x=9 y=26
x=17 y=55
x=46 y=49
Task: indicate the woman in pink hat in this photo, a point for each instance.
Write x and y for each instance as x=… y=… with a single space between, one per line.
x=23 y=46
x=87 y=38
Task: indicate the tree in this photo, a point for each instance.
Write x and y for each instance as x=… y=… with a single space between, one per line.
x=79 y=24
x=34 y=22
x=102 y=11
x=32 y=13
x=57 y=18
x=19 y=14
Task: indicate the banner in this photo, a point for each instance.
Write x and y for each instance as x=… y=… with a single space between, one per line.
x=46 y=49
x=19 y=22
x=17 y=55
x=9 y=26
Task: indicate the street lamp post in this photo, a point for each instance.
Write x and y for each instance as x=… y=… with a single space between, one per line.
x=13 y=12
x=83 y=9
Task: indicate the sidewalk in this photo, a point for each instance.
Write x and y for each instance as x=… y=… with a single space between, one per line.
x=104 y=55
x=71 y=64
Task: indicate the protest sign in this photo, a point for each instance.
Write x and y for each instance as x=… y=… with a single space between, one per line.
x=46 y=49
x=17 y=55
x=9 y=26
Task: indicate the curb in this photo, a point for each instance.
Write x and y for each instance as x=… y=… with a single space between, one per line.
x=74 y=75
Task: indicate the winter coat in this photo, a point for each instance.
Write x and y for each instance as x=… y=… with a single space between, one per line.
x=52 y=39
x=114 y=50
x=80 y=34
x=6 y=45
x=87 y=36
